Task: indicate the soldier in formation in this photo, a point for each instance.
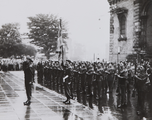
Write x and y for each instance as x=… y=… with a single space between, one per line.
x=94 y=79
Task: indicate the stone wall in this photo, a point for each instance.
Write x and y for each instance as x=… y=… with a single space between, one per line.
x=138 y=29
x=126 y=47
x=149 y=29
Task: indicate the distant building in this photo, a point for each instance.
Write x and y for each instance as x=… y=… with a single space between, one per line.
x=130 y=29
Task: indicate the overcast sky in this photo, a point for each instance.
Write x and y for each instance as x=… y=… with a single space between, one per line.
x=88 y=20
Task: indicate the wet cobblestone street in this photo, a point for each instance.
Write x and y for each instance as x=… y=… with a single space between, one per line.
x=48 y=104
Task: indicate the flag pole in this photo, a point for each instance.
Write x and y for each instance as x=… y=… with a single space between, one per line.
x=61 y=47
x=59 y=41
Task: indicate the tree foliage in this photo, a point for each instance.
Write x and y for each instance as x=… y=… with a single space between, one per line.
x=18 y=50
x=44 y=31
x=10 y=42
x=9 y=35
x=25 y=50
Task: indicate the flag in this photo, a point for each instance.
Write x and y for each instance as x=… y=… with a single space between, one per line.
x=60 y=45
x=59 y=40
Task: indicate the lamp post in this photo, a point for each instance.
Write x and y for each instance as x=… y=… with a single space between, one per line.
x=118 y=52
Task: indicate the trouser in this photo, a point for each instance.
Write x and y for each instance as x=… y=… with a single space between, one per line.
x=123 y=93
x=98 y=85
x=83 y=83
x=67 y=91
x=90 y=85
x=28 y=90
x=110 y=85
x=141 y=99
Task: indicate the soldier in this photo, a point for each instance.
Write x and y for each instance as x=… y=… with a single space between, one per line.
x=53 y=74
x=67 y=81
x=60 y=79
x=149 y=72
x=82 y=74
x=130 y=77
x=29 y=75
x=75 y=74
x=46 y=73
x=72 y=85
x=90 y=77
x=40 y=71
x=142 y=81
x=104 y=82
x=58 y=74
x=76 y=79
x=99 y=79
x=122 y=76
x=110 y=76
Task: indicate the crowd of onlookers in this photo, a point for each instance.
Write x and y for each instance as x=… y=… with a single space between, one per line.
x=10 y=64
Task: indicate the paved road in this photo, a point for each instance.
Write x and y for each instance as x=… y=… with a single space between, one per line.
x=47 y=104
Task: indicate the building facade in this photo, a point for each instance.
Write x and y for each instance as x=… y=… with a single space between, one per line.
x=130 y=29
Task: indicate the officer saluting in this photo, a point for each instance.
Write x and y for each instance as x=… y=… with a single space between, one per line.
x=29 y=78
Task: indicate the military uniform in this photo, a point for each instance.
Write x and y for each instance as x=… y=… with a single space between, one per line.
x=141 y=78
x=123 y=76
x=110 y=77
x=29 y=75
x=99 y=79
x=67 y=82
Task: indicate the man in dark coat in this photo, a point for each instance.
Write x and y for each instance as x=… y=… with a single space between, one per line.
x=29 y=78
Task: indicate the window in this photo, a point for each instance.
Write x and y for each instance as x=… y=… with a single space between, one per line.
x=122 y=24
x=122 y=13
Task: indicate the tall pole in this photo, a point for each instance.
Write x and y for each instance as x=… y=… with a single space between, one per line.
x=60 y=42
x=94 y=57
x=117 y=58
x=118 y=54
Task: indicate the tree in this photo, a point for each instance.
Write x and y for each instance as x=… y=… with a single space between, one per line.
x=10 y=42
x=23 y=49
x=9 y=36
x=44 y=32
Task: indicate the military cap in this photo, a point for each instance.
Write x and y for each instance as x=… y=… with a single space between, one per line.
x=69 y=61
x=28 y=58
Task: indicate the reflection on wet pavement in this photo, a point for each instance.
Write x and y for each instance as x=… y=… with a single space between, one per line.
x=47 y=104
